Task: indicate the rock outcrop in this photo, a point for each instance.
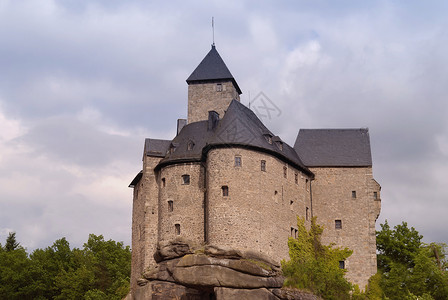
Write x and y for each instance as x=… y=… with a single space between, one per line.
x=210 y=272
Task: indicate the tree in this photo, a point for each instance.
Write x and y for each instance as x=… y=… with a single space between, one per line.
x=314 y=266
x=410 y=268
x=11 y=243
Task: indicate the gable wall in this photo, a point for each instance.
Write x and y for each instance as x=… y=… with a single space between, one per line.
x=332 y=200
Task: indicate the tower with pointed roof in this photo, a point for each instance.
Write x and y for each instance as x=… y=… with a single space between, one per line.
x=226 y=180
x=211 y=87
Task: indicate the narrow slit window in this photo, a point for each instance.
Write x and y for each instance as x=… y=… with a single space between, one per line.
x=296 y=178
x=170 y=205
x=163 y=182
x=263 y=165
x=225 y=191
x=186 y=179
x=292 y=231
x=307 y=214
x=285 y=171
x=177 y=229
x=237 y=161
x=296 y=233
x=338 y=224
x=353 y=194
x=375 y=195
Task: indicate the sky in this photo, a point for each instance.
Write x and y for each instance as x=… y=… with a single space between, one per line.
x=83 y=83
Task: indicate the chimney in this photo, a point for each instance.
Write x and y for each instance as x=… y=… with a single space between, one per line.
x=180 y=124
x=213 y=119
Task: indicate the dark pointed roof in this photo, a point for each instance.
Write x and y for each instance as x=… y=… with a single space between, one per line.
x=239 y=127
x=334 y=147
x=212 y=68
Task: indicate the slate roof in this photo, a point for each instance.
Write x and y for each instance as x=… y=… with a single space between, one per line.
x=334 y=147
x=239 y=127
x=155 y=147
x=212 y=68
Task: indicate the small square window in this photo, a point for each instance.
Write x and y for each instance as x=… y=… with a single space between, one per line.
x=177 y=228
x=338 y=224
x=237 y=161
x=219 y=87
x=185 y=179
x=225 y=191
x=285 y=171
x=170 y=205
x=375 y=195
x=353 y=194
x=341 y=264
x=263 y=165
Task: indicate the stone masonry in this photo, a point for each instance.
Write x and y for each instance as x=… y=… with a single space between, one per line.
x=225 y=180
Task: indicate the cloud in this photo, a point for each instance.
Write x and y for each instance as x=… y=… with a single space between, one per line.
x=83 y=83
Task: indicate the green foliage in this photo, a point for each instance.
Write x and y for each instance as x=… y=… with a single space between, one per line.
x=410 y=269
x=11 y=243
x=315 y=267
x=100 y=270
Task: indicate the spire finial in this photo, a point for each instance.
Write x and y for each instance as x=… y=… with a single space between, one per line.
x=213 y=31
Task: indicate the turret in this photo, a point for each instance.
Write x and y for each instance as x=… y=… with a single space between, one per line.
x=211 y=87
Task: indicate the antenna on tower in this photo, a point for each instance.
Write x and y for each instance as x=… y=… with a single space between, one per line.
x=213 y=31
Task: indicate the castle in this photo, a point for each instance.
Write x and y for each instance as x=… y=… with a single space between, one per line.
x=225 y=179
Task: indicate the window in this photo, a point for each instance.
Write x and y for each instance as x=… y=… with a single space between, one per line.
x=296 y=178
x=263 y=165
x=237 y=161
x=163 y=182
x=291 y=204
x=219 y=87
x=170 y=205
x=280 y=146
x=341 y=264
x=185 y=179
x=375 y=195
x=190 y=145
x=292 y=231
x=268 y=138
x=338 y=224
x=353 y=194
x=225 y=191
x=285 y=171
x=307 y=213
x=177 y=228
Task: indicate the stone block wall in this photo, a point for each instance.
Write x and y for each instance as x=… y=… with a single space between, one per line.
x=205 y=97
x=144 y=219
x=347 y=194
x=187 y=202
x=261 y=209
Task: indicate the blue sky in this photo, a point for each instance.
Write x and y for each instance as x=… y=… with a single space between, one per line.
x=82 y=83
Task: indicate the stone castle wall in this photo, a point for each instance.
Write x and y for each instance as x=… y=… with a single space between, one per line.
x=261 y=207
x=187 y=207
x=347 y=194
x=205 y=97
x=144 y=220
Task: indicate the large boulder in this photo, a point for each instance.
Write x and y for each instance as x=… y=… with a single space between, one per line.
x=255 y=294
x=218 y=276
